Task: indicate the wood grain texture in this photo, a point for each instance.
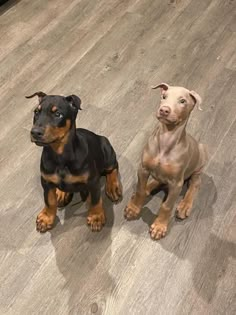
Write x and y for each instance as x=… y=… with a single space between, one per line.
x=110 y=52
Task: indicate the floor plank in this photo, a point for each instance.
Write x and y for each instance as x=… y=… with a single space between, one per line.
x=111 y=53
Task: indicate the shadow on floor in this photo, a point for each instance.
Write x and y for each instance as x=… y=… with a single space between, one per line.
x=84 y=258
x=193 y=240
x=212 y=265
x=6 y=5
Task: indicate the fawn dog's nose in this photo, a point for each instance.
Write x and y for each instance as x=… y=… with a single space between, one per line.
x=164 y=111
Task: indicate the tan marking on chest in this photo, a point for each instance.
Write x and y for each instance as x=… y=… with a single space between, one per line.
x=68 y=179
x=73 y=179
x=51 y=178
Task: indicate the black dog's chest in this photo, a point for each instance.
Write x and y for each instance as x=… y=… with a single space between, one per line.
x=65 y=179
x=62 y=172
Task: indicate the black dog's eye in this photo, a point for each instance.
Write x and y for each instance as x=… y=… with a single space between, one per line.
x=36 y=112
x=58 y=114
x=182 y=101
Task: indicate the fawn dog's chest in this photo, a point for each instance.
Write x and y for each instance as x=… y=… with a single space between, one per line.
x=160 y=167
x=163 y=166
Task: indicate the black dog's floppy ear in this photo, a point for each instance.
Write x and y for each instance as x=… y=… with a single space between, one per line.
x=39 y=94
x=74 y=101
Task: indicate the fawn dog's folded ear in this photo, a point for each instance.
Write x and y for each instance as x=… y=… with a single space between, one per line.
x=162 y=86
x=197 y=99
x=74 y=101
x=39 y=94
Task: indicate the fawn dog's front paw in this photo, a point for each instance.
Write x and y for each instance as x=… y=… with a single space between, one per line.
x=183 y=209
x=131 y=211
x=158 y=230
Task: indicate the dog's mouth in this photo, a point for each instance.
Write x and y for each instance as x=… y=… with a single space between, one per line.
x=167 y=121
x=41 y=142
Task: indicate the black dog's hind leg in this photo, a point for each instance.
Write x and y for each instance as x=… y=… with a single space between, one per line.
x=63 y=198
x=96 y=215
x=113 y=184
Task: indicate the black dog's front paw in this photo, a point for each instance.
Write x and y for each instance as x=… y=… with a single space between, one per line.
x=113 y=186
x=44 y=221
x=96 y=221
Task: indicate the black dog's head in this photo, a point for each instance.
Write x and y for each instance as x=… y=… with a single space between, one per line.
x=53 y=117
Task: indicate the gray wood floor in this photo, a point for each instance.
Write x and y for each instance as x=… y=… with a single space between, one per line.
x=110 y=52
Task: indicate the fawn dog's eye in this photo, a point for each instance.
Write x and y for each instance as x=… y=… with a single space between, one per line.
x=182 y=101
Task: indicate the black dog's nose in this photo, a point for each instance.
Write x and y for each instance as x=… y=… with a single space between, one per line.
x=164 y=110
x=36 y=132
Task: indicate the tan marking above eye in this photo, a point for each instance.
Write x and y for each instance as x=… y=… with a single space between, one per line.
x=54 y=109
x=39 y=107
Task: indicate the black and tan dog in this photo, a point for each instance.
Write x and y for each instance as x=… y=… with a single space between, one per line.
x=73 y=160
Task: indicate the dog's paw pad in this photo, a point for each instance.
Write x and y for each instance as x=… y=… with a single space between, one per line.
x=96 y=221
x=183 y=209
x=114 y=192
x=44 y=222
x=131 y=212
x=158 y=230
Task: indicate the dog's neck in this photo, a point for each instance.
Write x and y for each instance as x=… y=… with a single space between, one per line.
x=168 y=136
